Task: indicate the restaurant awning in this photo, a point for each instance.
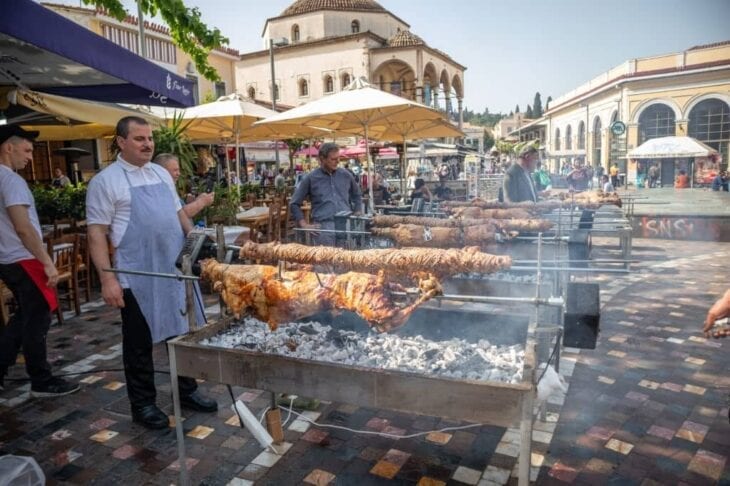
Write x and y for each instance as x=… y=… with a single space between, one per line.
x=670 y=148
x=44 y=51
x=61 y=118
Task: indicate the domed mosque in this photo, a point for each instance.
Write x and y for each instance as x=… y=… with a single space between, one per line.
x=320 y=46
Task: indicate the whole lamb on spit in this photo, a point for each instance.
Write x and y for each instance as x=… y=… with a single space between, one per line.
x=292 y=295
x=394 y=262
x=406 y=235
x=530 y=225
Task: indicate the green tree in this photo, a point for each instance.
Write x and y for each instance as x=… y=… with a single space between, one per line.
x=537 y=106
x=187 y=29
x=547 y=103
x=488 y=140
x=511 y=113
x=529 y=113
x=293 y=144
x=171 y=139
x=517 y=109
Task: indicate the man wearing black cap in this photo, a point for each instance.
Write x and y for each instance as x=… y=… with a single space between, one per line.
x=26 y=268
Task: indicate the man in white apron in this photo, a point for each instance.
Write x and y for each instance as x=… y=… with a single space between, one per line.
x=134 y=202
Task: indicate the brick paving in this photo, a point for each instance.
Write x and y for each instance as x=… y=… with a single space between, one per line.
x=648 y=406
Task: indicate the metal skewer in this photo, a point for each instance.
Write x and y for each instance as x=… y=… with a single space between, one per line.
x=175 y=276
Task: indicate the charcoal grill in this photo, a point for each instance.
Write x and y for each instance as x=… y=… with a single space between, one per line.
x=494 y=403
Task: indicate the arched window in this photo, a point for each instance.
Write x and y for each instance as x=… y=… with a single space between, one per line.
x=303 y=87
x=597 y=141
x=346 y=80
x=557 y=139
x=329 y=84
x=656 y=121
x=294 y=33
x=581 y=136
x=568 y=137
x=355 y=27
x=709 y=122
x=252 y=92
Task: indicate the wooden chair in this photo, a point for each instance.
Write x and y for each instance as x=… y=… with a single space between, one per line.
x=83 y=266
x=6 y=303
x=65 y=254
x=273 y=229
x=63 y=226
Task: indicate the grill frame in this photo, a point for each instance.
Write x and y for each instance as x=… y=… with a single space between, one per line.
x=495 y=403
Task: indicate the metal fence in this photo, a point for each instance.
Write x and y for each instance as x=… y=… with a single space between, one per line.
x=485 y=186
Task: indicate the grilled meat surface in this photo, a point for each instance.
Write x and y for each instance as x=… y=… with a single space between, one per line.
x=257 y=290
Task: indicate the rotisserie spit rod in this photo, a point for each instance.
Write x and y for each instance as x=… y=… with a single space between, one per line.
x=292 y=295
x=403 y=262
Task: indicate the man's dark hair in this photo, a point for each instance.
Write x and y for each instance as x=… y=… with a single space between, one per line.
x=123 y=125
x=326 y=148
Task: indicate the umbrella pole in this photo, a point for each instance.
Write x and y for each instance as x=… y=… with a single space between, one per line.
x=370 y=172
x=238 y=152
x=226 y=176
x=403 y=164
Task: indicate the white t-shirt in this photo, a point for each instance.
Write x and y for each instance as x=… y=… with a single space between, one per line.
x=109 y=201
x=608 y=187
x=14 y=191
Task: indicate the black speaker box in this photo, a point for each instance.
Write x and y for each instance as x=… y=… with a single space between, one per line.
x=582 y=316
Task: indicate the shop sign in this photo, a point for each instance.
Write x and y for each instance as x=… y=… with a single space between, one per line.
x=618 y=128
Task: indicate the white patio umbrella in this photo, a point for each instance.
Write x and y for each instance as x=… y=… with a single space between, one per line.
x=225 y=118
x=401 y=132
x=232 y=117
x=670 y=148
x=359 y=109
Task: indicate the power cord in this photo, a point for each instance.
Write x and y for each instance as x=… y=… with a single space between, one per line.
x=382 y=434
x=552 y=355
x=233 y=401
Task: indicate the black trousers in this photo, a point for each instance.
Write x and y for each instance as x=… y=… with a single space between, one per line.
x=139 y=369
x=28 y=327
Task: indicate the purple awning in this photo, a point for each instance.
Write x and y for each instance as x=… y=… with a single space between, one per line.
x=44 y=51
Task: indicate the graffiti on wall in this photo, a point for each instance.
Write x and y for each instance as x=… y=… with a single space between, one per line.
x=678 y=228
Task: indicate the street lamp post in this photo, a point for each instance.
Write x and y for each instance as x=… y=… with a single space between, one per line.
x=272 y=44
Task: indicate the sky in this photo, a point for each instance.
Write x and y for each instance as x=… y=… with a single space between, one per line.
x=513 y=48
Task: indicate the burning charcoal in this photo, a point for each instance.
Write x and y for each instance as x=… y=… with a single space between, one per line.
x=292 y=345
x=429 y=354
x=455 y=358
x=307 y=329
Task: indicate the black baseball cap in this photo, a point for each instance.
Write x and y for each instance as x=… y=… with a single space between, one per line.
x=7 y=131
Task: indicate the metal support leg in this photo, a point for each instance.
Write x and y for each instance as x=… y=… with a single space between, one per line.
x=523 y=471
x=181 y=456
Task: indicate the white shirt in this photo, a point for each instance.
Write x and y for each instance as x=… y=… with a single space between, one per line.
x=109 y=201
x=14 y=191
x=608 y=187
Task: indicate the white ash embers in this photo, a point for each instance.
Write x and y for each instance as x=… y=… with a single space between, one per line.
x=454 y=358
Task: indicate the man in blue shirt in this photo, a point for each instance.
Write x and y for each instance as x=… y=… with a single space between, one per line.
x=720 y=182
x=330 y=190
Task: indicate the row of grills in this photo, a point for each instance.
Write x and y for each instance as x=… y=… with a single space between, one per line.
x=545 y=301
